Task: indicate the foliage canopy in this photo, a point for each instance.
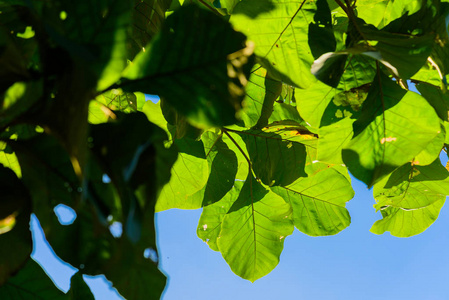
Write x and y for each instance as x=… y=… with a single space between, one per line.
x=265 y=107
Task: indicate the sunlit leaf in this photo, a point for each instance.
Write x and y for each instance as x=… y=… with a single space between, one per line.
x=280 y=32
x=394 y=126
x=209 y=225
x=253 y=231
x=410 y=199
x=318 y=202
x=188 y=175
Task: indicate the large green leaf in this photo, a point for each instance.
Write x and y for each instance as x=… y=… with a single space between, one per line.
x=209 y=74
x=280 y=32
x=31 y=283
x=318 y=202
x=410 y=199
x=394 y=126
x=253 y=231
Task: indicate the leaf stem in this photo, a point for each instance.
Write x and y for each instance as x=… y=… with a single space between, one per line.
x=225 y=131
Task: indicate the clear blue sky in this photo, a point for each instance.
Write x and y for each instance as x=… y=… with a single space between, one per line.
x=352 y=265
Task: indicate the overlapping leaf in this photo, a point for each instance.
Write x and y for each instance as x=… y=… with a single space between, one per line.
x=394 y=126
x=411 y=198
x=277 y=155
x=223 y=169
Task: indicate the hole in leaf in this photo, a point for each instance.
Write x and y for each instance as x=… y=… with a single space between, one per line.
x=116 y=229
x=66 y=215
x=106 y=179
x=152 y=98
x=151 y=254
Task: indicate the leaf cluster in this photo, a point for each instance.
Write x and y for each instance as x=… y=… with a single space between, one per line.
x=265 y=106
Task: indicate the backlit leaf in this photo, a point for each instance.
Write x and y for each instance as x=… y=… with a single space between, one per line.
x=253 y=231
x=394 y=126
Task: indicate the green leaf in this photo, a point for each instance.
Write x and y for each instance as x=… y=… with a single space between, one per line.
x=358 y=74
x=333 y=138
x=18 y=100
x=275 y=149
x=261 y=92
x=410 y=199
x=280 y=32
x=394 y=126
x=95 y=32
x=253 y=231
x=147 y=18
x=413 y=187
x=437 y=98
x=209 y=225
x=318 y=202
x=381 y=13
x=404 y=223
x=223 y=168
x=31 y=283
x=209 y=74
x=188 y=176
x=79 y=288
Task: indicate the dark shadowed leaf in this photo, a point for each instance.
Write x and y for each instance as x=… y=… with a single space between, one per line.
x=15 y=235
x=31 y=283
x=209 y=74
